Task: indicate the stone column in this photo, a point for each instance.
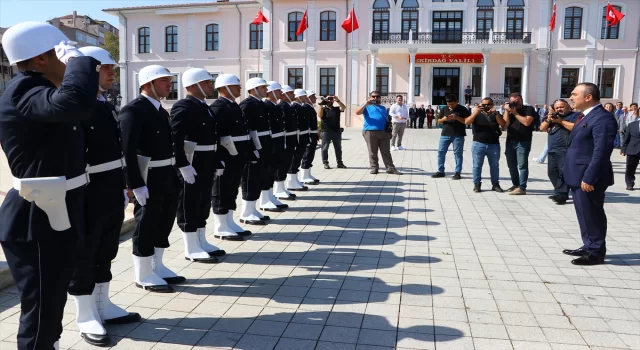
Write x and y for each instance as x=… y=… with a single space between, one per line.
x=412 y=75
x=525 y=75
x=265 y=60
x=374 y=65
x=485 y=72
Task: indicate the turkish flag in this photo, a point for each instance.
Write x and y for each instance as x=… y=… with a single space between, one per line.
x=613 y=16
x=260 y=18
x=303 y=25
x=351 y=23
x=552 y=24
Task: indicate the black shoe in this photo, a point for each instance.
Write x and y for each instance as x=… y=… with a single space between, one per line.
x=437 y=175
x=132 y=317
x=630 y=188
x=374 y=171
x=588 y=260
x=393 y=171
x=265 y=217
x=560 y=200
x=303 y=188
x=217 y=253
x=456 y=176
x=162 y=288
x=253 y=222
x=476 y=188
x=96 y=339
x=175 y=280
x=341 y=165
x=497 y=188
x=277 y=210
x=552 y=197
x=575 y=252
x=209 y=260
x=326 y=166
x=292 y=197
x=244 y=233
x=512 y=188
x=282 y=206
x=229 y=238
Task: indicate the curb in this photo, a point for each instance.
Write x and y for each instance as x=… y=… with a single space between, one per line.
x=5 y=275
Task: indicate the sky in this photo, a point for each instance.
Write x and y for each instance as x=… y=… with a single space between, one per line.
x=16 y=11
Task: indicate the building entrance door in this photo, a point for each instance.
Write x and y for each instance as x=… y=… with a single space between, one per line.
x=446 y=80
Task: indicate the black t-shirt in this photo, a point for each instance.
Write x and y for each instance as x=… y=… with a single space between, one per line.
x=330 y=119
x=454 y=127
x=517 y=131
x=486 y=128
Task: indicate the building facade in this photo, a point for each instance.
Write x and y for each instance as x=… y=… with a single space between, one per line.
x=7 y=71
x=421 y=49
x=83 y=29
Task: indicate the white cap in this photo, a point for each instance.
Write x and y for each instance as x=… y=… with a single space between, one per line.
x=30 y=39
x=310 y=93
x=254 y=83
x=151 y=73
x=227 y=80
x=101 y=55
x=287 y=88
x=195 y=75
x=299 y=93
x=273 y=86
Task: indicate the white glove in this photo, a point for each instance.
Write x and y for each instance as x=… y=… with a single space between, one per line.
x=126 y=199
x=219 y=172
x=257 y=154
x=188 y=174
x=141 y=194
x=67 y=50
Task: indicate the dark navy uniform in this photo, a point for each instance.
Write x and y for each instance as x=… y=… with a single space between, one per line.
x=146 y=131
x=230 y=122
x=192 y=120
x=310 y=150
x=104 y=201
x=278 y=149
x=303 y=136
x=291 y=124
x=41 y=135
x=254 y=174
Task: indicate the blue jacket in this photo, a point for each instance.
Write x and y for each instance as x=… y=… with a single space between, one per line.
x=589 y=152
x=631 y=144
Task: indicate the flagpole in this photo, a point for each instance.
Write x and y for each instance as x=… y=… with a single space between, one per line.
x=306 y=43
x=604 y=49
x=350 y=66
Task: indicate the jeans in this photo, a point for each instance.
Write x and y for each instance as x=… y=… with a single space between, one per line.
x=458 y=148
x=543 y=156
x=517 y=153
x=492 y=151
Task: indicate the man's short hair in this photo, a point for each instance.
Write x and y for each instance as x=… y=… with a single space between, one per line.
x=633 y=104
x=374 y=92
x=487 y=99
x=400 y=96
x=562 y=101
x=22 y=66
x=451 y=98
x=515 y=94
x=591 y=89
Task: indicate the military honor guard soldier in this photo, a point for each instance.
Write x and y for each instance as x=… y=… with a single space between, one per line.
x=104 y=212
x=149 y=152
x=310 y=151
x=236 y=151
x=302 y=114
x=40 y=132
x=195 y=139
x=291 y=143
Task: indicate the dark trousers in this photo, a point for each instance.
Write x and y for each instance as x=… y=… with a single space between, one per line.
x=328 y=137
x=421 y=122
x=632 y=166
x=310 y=151
x=592 y=218
x=277 y=151
x=194 y=200
x=413 y=122
x=296 y=160
x=467 y=99
x=554 y=170
x=41 y=270
x=251 y=181
x=287 y=158
x=518 y=162
x=226 y=187
x=378 y=140
x=155 y=220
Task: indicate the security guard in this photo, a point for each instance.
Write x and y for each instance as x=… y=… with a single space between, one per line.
x=147 y=142
x=192 y=124
x=237 y=150
x=104 y=211
x=268 y=201
x=293 y=183
x=41 y=135
x=310 y=150
x=291 y=143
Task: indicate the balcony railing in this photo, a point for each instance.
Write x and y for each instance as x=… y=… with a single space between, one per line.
x=453 y=37
x=389 y=98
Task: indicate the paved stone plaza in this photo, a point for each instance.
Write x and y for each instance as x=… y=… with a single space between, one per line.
x=382 y=261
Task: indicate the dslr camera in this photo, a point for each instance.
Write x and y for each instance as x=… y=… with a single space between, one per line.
x=513 y=105
x=323 y=101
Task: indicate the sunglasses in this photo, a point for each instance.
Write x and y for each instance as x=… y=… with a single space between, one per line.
x=486 y=105
x=375 y=96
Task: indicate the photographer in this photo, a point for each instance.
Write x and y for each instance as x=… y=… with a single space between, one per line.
x=330 y=125
x=486 y=142
x=519 y=119
x=452 y=118
x=558 y=125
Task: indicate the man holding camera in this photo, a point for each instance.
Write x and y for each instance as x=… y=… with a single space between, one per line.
x=519 y=119
x=330 y=125
x=453 y=131
x=486 y=142
x=558 y=125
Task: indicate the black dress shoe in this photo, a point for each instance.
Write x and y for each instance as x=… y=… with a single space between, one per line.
x=629 y=188
x=292 y=197
x=373 y=171
x=162 y=288
x=575 y=252
x=132 y=317
x=303 y=188
x=437 y=175
x=209 y=260
x=175 y=280
x=456 y=176
x=476 y=188
x=282 y=206
x=253 y=222
x=553 y=197
x=230 y=238
x=512 y=188
x=244 y=233
x=497 y=188
x=277 y=210
x=588 y=260
x=326 y=166
x=341 y=166
x=560 y=200
x=393 y=171
x=96 y=339
x=218 y=252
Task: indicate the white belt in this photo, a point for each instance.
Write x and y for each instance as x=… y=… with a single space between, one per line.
x=100 y=168
x=273 y=136
x=72 y=184
x=291 y=133
x=161 y=163
x=203 y=148
x=302 y=132
x=264 y=133
x=240 y=138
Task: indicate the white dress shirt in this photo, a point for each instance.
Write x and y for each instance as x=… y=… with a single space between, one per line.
x=401 y=111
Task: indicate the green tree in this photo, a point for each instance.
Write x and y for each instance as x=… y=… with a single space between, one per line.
x=112 y=44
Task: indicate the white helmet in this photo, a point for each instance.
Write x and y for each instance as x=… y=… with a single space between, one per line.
x=273 y=86
x=101 y=55
x=195 y=75
x=227 y=80
x=151 y=73
x=30 y=39
x=299 y=93
x=254 y=83
x=287 y=88
x=310 y=93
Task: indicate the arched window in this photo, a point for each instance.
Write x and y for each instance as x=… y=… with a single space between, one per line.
x=572 y=22
x=515 y=19
x=144 y=40
x=211 y=37
x=381 y=4
x=255 y=36
x=410 y=18
x=485 y=3
x=328 y=26
x=171 y=39
x=484 y=19
x=294 y=22
x=515 y=3
x=410 y=3
x=613 y=31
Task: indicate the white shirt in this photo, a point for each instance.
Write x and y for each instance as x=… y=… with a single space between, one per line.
x=155 y=102
x=588 y=110
x=397 y=110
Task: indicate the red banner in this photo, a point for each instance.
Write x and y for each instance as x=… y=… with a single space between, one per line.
x=449 y=58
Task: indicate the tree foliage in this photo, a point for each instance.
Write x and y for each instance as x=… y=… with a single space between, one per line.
x=112 y=44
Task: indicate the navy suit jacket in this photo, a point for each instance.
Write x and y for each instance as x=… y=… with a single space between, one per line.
x=589 y=151
x=631 y=144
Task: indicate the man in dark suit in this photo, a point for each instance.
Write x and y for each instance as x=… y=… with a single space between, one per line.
x=413 y=116
x=631 y=149
x=421 y=113
x=588 y=171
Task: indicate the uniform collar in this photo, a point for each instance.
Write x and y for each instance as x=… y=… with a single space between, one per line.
x=227 y=99
x=197 y=99
x=101 y=98
x=268 y=100
x=153 y=101
x=255 y=98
